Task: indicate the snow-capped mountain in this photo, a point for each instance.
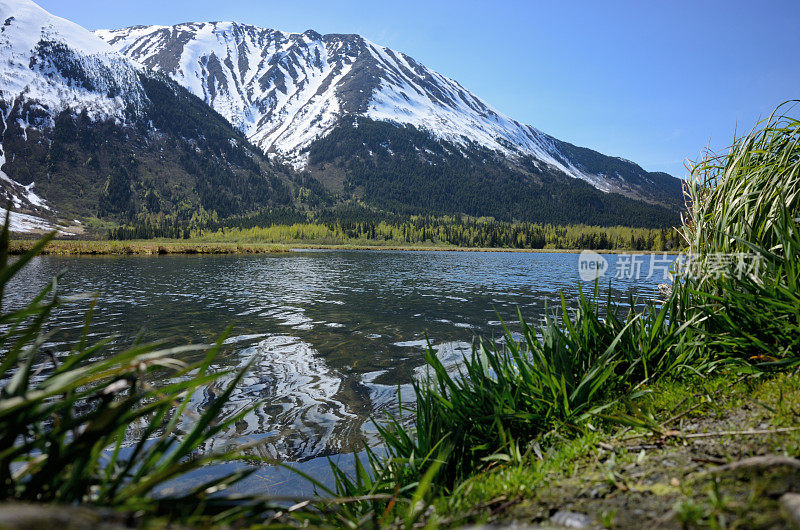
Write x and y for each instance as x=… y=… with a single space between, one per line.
x=169 y=126
x=59 y=64
x=285 y=90
x=52 y=64
x=87 y=131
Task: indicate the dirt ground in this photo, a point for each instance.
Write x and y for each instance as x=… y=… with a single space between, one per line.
x=724 y=464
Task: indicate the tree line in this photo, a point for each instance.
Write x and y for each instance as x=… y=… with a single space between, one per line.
x=286 y=226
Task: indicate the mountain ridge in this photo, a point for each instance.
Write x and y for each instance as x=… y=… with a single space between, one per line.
x=285 y=90
x=196 y=122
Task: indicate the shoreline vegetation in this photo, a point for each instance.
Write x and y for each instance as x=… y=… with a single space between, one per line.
x=682 y=414
x=63 y=247
x=416 y=233
x=364 y=227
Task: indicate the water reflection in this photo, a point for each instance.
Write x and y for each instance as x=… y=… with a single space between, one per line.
x=331 y=334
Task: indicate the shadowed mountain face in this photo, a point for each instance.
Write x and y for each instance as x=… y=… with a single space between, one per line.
x=406 y=170
x=287 y=90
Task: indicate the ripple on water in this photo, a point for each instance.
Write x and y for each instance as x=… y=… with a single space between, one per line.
x=331 y=334
x=299 y=399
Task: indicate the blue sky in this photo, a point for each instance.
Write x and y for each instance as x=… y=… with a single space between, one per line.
x=653 y=81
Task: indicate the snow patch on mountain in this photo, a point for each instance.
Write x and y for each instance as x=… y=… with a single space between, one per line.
x=457 y=115
x=59 y=65
x=22 y=222
x=21 y=196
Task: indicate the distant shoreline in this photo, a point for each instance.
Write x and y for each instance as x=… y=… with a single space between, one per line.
x=177 y=246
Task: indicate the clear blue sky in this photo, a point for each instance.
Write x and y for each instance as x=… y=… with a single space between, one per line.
x=653 y=81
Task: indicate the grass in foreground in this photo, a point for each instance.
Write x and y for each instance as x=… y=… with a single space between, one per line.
x=744 y=237
x=535 y=408
x=535 y=394
x=694 y=473
x=64 y=420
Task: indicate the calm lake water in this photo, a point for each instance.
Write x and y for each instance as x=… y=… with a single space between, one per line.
x=332 y=333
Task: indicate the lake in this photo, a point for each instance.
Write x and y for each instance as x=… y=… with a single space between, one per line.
x=331 y=333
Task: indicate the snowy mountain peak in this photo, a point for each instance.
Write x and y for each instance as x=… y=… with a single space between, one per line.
x=25 y=24
x=278 y=88
x=285 y=90
x=50 y=64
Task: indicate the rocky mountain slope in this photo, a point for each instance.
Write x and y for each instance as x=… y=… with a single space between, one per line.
x=287 y=90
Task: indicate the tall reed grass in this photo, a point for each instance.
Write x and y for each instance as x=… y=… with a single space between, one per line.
x=509 y=398
x=742 y=235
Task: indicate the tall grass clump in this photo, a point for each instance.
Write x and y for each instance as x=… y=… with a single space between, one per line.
x=554 y=378
x=744 y=245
